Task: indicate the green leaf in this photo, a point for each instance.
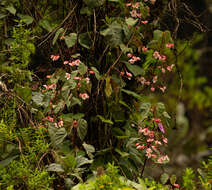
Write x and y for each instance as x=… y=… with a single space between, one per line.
x=84 y=40
x=96 y=72
x=135 y=69
x=145 y=109
x=11 y=9
x=82 y=161
x=70 y=161
x=82 y=128
x=131 y=93
x=24 y=92
x=82 y=68
x=26 y=18
x=46 y=25
x=108 y=87
x=173 y=179
x=7 y=161
x=125 y=49
x=130 y=21
x=54 y=168
x=38 y=97
x=105 y=120
x=59 y=31
x=89 y=149
x=142 y=184
x=57 y=136
x=122 y=154
x=164 y=178
x=71 y=39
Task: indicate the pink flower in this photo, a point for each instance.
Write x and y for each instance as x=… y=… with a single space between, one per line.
x=152 y=89
x=149 y=150
x=60 y=123
x=77 y=78
x=48 y=118
x=132 y=61
x=144 y=49
x=153 y=147
x=48 y=76
x=149 y=155
x=160 y=125
x=62 y=37
x=128 y=4
x=91 y=72
x=156 y=55
x=146 y=131
x=157 y=120
x=154 y=156
x=165 y=158
x=169 y=45
x=163 y=89
x=163 y=70
x=75 y=123
x=128 y=74
x=65 y=62
x=122 y=73
x=55 y=57
x=162 y=58
x=158 y=142
x=177 y=185
x=155 y=78
x=169 y=68
x=77 y=62
x=138 y=15
x=147 y=83
x=140 y=147
x=68 y=75
x=79 y=84
x=142 y=80
x=150 y=140
x=151 y=134
x=84 y=96
x=136 y=6
x=144 y=21
x=129 y=55
x=87 y=80
x=165 y=140
x=133 y=13
x=160 y=160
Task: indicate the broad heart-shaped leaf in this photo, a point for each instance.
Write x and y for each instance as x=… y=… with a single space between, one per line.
x=38 y=97
x=24 y=92
x=84 y=40
x=164 y=178
x=61 y=30
x=82 y=68
x=94 y=3
x=89 y=149
x=26 y=18
x=173 y=179
x=82 y=128
x=54 y=168
x=11 y=9
x=71 y=39
x=134 y=69
x=57 y=135
x=46 y=25
x=108 y=87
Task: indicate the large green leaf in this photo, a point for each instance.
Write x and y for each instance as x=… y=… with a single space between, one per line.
x=38 y=97
x=164 y=178
x=71 y=39
x=82 y=128
x=26 y=18
x=11 y=9
x=57 y=135
x=54 y=168
x=89 y=149
x=46 y=25
x=134 y=69
x=82 y=68
x=134 y=94
x=84 y=40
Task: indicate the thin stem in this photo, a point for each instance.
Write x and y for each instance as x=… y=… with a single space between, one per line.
x=142 y=172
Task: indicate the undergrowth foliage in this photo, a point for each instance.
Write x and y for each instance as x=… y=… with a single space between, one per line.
x=104 y=59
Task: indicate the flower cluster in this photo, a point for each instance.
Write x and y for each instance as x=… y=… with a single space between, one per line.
x=151 y=143
x=133 y=58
